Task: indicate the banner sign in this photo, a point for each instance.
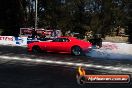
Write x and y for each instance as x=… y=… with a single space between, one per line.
x=11 y=40
x=20 y=41
x=6 y=40
x=26 y=32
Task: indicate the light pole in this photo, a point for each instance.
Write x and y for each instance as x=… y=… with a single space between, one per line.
x=129 y=18
x=36 y=11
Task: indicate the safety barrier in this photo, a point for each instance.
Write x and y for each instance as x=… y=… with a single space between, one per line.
x=11 y=40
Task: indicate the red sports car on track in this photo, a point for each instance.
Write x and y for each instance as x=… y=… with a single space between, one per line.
x=61 y=44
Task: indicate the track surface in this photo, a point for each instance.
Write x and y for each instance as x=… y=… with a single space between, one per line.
x=20 y=69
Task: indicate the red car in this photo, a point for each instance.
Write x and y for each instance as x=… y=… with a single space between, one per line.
x=61 y=44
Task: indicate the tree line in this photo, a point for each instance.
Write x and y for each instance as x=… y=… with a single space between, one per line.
x=100 y=16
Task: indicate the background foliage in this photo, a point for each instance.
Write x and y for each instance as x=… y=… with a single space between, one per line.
x=100 y=16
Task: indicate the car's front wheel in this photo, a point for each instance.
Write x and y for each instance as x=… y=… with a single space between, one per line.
x=36 y=49
x=76 y=50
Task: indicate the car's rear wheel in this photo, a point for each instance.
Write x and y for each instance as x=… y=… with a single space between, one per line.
x=76 y=50
x=36 y=49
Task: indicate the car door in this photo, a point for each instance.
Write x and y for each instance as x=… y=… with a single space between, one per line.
x=44 y=45
x=65 y=45
x=54 y=45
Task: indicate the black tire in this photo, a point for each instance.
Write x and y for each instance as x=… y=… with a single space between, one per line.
x=36 y=49
x=76 y=50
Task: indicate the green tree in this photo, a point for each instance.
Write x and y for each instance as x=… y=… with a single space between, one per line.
x=12 y=16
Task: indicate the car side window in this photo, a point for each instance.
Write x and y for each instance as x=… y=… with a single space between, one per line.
x=65 y=40
x=56 y=40
x=61 y=40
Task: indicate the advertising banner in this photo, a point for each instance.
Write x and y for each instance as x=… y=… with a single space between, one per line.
x=7 y=40
x=26 y=32
x=21 y=41
x=11 y=40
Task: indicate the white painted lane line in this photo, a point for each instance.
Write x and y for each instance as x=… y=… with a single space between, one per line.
x=117 y=68
x=98 y=66
x=28 y=59
x=39 y=60
x=16 y=58
x=125 y=69
x=48 y=61
x=67 y=63
x=88 y=65
x=58 y=62
x=4 y=57
x=78 y=64
x=108 y=67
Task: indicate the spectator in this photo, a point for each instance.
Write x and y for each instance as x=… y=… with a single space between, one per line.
x=34 y=33
x=117 y=30
x=96 y=41
x=88 y=35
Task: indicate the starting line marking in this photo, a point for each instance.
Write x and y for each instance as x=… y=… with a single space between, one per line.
x=67 y=63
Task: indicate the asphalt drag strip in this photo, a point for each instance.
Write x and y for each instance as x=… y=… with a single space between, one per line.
x=45 y=76
x=17 y=54
x=62 y=63
x=19 y=69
